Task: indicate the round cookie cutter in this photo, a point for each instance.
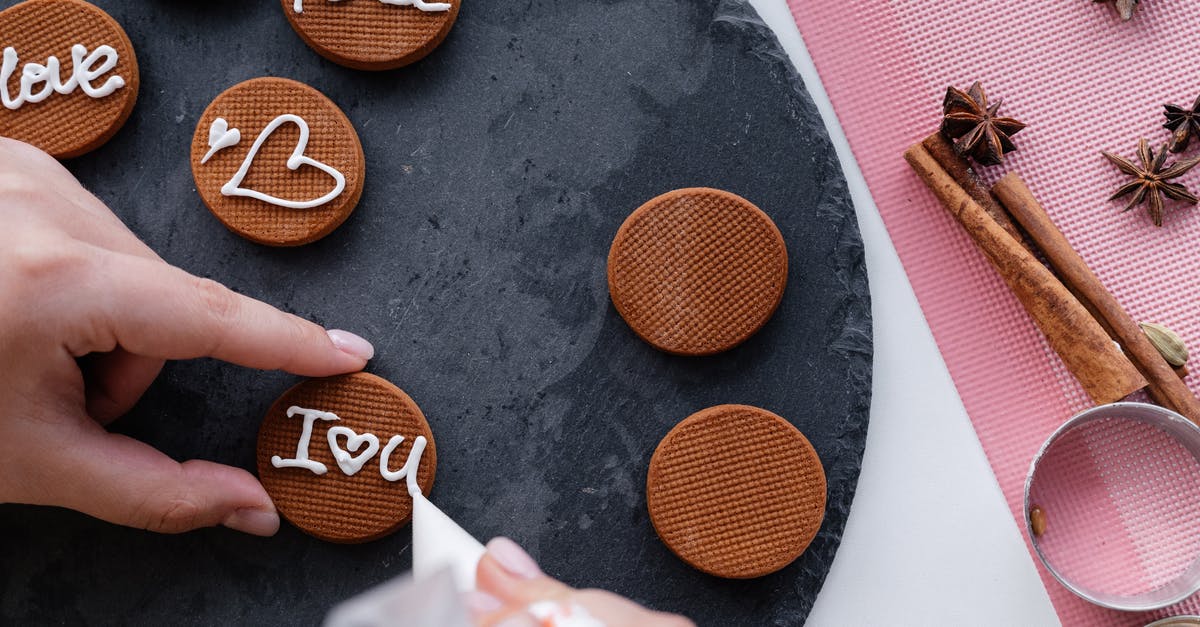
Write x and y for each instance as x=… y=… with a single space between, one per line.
x=1114 y=494
x=1177 y=621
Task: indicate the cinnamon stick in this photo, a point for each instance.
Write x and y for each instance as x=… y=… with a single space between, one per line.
x=957 y=167
x=1085 y=348
x=1165 y=385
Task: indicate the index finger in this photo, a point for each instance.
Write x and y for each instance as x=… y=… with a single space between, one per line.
x=151 y=308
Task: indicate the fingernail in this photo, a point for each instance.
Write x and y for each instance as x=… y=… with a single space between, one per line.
x=513 y=558
x=351 y=344
x=481 y=603
x=518 y=620
x=253 y=521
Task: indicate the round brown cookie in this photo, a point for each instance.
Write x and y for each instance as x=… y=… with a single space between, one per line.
x=736 y=491
x=697 y=271
x=335 y=506
x=372 y=34
x=243 y=113
x=62 y=118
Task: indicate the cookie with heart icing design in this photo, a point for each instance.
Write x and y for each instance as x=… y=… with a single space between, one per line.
x=277 y=162
x=70 y=76
x=340 y=457
x=372 y=34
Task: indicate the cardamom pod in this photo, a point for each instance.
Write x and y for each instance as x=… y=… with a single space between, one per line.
x=1168 y=343
x=1037 y=521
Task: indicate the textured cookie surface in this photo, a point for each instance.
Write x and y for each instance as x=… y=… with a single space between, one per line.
x=697 y=271
x=372 y=34
x=335 y=506
x=736 y=491
x=75 y=122
x=249 y=108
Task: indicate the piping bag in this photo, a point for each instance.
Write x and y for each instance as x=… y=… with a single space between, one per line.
x=445 y=557
x=444 y=560
x=439 y=544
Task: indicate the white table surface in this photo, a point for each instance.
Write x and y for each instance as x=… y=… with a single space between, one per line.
x=930 y=540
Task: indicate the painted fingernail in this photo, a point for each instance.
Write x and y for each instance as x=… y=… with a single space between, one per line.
x=351 y=344
x=513 y=558
x=481 y=603
x=518 y=620
x=253 y=521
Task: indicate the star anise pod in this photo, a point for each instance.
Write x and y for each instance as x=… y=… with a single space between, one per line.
x=1183 y=124
x=1125 y=7
x=1152 y=180
x=974 y=126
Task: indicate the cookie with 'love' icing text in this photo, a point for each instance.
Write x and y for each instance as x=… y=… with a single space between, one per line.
x=277 y=162
x=372 y=34
x=736 y=491
x=70 y=76
x=342 y=456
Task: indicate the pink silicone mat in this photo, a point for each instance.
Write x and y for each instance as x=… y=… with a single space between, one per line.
x=1084 y=82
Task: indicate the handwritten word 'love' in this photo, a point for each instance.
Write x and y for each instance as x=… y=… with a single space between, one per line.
x=350 y=461
x=85 y=68
x=298 y=6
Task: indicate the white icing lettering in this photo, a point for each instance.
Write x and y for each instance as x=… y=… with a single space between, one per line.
x=410 y=466
x=298 y=5
x=234 y=186
x=301 y=460
x=351 y=464
x=39 y=81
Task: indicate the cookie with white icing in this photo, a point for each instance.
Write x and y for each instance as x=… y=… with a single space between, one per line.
x=277 y=162
x=736 y=491
x=372 y=34
x=341 y=457
x=70 y=76
x=697 y=271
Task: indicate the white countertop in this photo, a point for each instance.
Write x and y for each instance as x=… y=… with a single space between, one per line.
x=930 y=540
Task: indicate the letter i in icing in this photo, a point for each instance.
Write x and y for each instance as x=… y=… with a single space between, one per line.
x=301 y=460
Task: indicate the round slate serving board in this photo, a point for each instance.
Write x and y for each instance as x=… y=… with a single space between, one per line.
x=499 y=169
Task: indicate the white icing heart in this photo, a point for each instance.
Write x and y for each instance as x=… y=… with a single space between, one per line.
x=351 y=464
x=298 y=158
x=220 y=137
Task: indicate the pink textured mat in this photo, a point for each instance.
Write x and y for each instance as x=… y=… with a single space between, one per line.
x=1084 y=81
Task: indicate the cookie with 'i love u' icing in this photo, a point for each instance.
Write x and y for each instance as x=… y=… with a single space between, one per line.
x=70 y=76
x=372 y=34
x=277 y=162
x=342 y=456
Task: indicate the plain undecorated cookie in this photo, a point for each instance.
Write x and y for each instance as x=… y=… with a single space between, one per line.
x=335 y=506
x=73 y=123
x=697 y=271
x=736 y=491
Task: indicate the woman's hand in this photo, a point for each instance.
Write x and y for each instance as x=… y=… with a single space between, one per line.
x=509 y=582
x=88 y=313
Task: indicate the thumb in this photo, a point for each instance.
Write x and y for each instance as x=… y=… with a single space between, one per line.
x=127 y=482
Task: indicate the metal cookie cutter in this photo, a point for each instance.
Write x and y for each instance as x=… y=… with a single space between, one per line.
x=1112 y=504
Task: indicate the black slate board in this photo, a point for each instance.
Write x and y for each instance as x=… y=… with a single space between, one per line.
x=499 y=170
